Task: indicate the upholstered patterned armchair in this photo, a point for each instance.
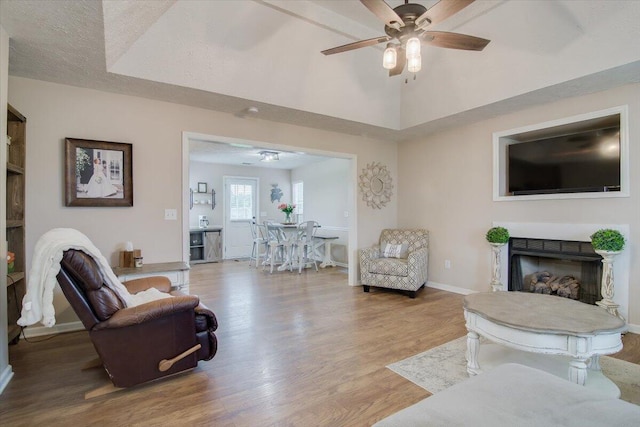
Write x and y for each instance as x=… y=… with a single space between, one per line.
x=399 y=261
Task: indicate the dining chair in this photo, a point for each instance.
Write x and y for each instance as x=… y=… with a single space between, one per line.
x=279 y=247
x=305 y=245
x=260 y=243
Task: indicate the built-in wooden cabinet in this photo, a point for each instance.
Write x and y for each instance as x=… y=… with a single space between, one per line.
x=16 y=280
x=205 y=245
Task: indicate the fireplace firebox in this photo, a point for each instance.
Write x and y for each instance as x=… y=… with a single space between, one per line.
x=561 y=263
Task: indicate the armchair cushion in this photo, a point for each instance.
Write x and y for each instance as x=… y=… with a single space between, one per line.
x=390 y=250
x=103 y=300
x=390 y=267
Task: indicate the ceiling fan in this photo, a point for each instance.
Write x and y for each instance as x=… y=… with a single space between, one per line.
x=406 y=26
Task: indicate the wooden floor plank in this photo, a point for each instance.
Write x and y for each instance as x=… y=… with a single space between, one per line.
x=294 y=349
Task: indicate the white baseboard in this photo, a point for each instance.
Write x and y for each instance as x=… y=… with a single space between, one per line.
x=342 y=264
x=5 y=377
x=634 y=329
x=39 y=331
x=449 y=288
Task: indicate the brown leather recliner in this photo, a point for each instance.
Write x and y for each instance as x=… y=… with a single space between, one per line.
x=141 y=343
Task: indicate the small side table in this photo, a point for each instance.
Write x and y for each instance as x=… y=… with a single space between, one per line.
x=176 y=272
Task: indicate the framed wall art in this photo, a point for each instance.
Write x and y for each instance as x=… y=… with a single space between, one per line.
x=98 y=173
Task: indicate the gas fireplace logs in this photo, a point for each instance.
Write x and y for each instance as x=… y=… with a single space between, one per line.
x=543 y=282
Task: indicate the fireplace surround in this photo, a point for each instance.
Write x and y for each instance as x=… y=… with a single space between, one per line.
x=574 y=231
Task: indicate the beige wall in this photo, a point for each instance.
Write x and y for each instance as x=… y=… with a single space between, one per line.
x=326 y=199
x=155 y=129
x=445 y=185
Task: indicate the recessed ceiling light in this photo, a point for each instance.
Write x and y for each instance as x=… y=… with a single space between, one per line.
x=253 y=110
x=269 y=156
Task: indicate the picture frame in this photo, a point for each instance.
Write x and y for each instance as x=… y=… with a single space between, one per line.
x=202 y=187
x=98 y=173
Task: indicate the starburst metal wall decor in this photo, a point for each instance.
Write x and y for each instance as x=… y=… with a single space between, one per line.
x=376 y=185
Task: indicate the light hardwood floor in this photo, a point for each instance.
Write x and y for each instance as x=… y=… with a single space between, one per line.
x=294 y=350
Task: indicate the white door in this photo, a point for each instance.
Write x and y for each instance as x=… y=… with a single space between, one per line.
x=241 y=207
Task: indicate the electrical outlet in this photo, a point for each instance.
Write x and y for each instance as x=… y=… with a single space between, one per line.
x=263 y=214
x=171 y=214
x=447 y=264
x=346 y=214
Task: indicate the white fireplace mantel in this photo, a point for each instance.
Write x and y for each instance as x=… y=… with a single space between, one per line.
x=578 y=232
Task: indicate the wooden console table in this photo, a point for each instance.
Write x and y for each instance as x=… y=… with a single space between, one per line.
x=547 y=325
x=176 y=272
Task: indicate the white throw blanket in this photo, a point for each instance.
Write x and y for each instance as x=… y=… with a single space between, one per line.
x=37 y=304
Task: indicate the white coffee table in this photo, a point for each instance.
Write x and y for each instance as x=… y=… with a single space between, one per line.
x=543 y=326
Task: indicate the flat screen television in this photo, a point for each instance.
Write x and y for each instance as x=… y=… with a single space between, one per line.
x=587 y=161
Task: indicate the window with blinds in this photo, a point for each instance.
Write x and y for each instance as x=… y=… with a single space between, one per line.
x=241 y=202
x=298 y=199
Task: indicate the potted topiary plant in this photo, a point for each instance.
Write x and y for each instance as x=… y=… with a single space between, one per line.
x=608 y=244
x=607 y=240
x=498 y=235
x=497 y=238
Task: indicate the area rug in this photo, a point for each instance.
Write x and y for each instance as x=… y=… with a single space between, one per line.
x=443 y=366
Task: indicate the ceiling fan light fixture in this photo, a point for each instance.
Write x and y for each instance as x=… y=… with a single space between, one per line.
x=268 y=156
x=414 y=64
x=413 y=47
x=406 y=30
x=390 y=58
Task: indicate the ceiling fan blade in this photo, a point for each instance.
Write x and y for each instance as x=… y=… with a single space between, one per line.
x=441 y=11
x=384 y=12
x=401 y=60
x=453 y=40
x=357 y=45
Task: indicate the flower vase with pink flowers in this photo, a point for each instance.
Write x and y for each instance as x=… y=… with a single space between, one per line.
x=288 y=210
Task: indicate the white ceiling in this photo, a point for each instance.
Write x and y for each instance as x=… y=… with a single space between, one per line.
x=231 y=55
x=209 y=151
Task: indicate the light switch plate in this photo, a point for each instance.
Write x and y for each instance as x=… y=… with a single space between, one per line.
x=171 y=214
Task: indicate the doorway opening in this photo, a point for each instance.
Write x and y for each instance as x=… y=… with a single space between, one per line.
x=330 y=181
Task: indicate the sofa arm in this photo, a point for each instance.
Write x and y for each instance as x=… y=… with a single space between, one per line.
x=161 y=283
x=203 y=311
x=367 y=255
x=418 y=262
x=212 y=321
x=148 y=312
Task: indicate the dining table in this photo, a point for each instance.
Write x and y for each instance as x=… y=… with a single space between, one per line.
x=290 y=232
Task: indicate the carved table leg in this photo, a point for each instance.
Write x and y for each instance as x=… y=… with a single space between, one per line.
x=473 y=347
x=578 y=371
x=595 y=362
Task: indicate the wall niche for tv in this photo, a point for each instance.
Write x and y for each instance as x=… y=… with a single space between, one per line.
x=583 y=156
